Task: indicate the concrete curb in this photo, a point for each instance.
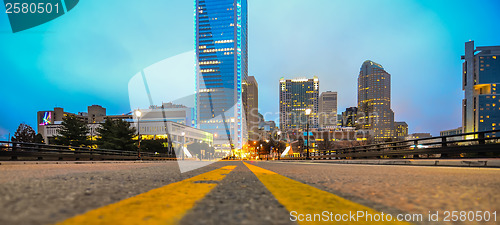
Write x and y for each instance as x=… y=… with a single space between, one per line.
x=73 y=162
x=93 y=162
x=490 y=163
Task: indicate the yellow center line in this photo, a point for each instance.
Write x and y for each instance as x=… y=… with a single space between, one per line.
x=303 y=200
x=165 y=205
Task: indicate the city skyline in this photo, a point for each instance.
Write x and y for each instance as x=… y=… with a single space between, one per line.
x=55 y=75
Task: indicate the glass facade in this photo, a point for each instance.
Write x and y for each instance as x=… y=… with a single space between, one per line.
x=296 y=96
x=374 y=100
x=221 y=72
x=481 y=80
x=328 y=109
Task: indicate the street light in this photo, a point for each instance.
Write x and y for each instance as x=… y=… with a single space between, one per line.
x=308 y=112
x=138 y=113
x=279 y=142
x=183 y=142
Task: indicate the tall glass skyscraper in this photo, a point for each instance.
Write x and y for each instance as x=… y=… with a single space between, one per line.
x=327 y=109
x=481 y=80
x=374 y=101
x=297 y=95
x=221 y=73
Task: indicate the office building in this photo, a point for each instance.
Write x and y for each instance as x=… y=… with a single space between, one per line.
x=451 y=132
x=221 y=74
x=418 y=136
x=297 y=95
x=374 y=101
x=169 y=112
x=339 y=120
x=400 y=130
x=455 y=131
x=267 y=130
x=349 y=117
x=327 y=115
x=481 y=80
x=253 y=108
x=95 y=114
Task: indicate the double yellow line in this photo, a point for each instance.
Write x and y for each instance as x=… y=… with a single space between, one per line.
x=165 y=205
x=168 y=204
x=306 y=201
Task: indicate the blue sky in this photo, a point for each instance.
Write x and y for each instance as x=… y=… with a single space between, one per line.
x=89 y=55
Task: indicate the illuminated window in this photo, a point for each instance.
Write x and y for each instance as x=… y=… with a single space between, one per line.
x=494 y=57
x=481 y=121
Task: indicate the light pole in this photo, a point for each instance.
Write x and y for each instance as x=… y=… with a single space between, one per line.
x=269 y=149
x=138 y=113
x=308 y=112
x=92 y=134
x=183 y=141
x=279 y=144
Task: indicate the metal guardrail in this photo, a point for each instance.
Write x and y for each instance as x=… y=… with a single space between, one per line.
x=31 y=151
x=475 y=144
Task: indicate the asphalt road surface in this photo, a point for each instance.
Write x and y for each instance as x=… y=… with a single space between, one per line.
x=235 y=192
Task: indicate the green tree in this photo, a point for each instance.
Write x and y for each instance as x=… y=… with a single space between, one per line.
x=116 y=135
x=38 y=139
x=24 y=133
x=158 y=145
x=73 y=132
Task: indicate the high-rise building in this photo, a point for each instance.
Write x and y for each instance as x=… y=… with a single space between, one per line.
x=253 y=108
x=96 y=114
x=297 y=95
x=400 y=130
x=349 y=117
x=374 y=101
x=481 y=78
x=339 y=120
x=221 y=53
x=327 y=109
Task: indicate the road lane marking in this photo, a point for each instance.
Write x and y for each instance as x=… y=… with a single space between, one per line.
x=165 y=205
x=305 y=199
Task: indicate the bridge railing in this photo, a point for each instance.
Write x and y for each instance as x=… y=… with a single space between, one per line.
x=474 y=144
x=29 y=151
